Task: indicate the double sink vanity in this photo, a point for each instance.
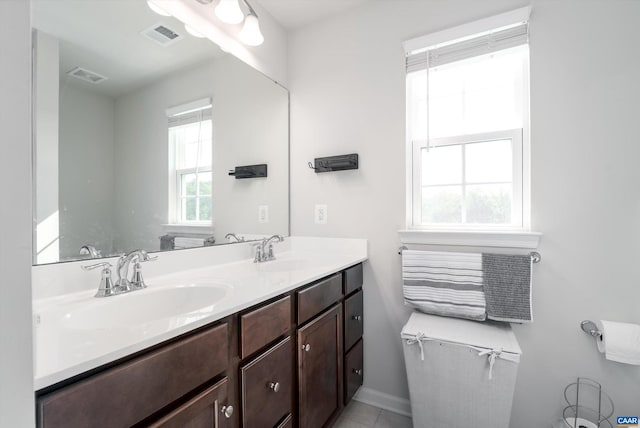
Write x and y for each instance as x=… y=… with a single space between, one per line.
x=234 y=344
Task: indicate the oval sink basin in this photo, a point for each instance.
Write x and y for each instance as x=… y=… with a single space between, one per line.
x=140 y=307
x=285 y=265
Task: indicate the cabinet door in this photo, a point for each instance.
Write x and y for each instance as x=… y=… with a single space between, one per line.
x=320 y=368
x=267 y=386
x=206 y=410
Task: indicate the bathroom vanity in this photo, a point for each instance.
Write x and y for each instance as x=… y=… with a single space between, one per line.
x=293 y=359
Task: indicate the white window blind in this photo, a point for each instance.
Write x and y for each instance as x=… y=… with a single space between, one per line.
x=482 y=44
x=192 y=112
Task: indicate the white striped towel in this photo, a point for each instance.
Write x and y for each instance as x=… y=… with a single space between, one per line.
x=444 y=283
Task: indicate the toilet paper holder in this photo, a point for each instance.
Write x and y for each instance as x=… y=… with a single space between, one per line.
x=591 y=328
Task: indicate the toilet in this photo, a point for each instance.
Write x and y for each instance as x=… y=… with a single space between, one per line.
x=461 y=373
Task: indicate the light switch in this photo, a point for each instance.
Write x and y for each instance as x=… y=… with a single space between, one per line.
x=321 y=214
x=263 y=213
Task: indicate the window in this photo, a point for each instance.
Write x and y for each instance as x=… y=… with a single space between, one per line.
x=467 y=129
x=190 y=160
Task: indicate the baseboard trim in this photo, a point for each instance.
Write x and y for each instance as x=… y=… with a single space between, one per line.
x=383 y=401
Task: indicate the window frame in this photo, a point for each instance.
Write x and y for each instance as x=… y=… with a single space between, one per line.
x=518 y=205
x=179 y=197
x=413 y=174
x=175 y=182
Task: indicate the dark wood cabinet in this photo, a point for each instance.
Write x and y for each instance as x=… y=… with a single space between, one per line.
x=267 y=386
x=353 y=279
x=209 y=409
x=130 y=392
x=353 y=371
x=261 y=326
x=293 y=361
x=318 y=297
x=353 y=319
x=320 y=369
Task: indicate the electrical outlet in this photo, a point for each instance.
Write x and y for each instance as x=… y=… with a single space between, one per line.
x=321 y=214
x=263 y=213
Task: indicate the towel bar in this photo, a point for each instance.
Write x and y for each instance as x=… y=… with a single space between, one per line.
x=591 y=328
x=535 y=256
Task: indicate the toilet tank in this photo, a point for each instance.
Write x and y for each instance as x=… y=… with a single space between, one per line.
x=461 y=373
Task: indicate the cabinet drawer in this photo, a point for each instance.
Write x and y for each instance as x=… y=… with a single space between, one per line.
x=206 y=410
x=352 y=279
x=353 y=319
x=267 y=386
x=287 y=423
x=263 y=325
x=353 y=371
x=126 y=394
x=314 y=299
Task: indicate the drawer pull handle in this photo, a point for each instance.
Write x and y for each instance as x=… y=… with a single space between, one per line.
x=227 y=411
x=306 y=347
x=357 y=371
x=357 y=317
x=275 y=386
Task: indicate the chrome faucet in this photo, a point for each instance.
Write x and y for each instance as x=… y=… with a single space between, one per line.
x=234 y=236
x=123 y=285
x=89 y=250
x=264 y=249
x=137 y=282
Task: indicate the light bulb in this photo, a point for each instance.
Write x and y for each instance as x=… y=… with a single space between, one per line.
x=229 y=12
x=193 y=32
x=250 y=33
x=154 y=7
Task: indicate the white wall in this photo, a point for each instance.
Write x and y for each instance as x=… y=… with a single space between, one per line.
x=86 y=159
x=347 y=81
x=17 y=407
x=249 y=122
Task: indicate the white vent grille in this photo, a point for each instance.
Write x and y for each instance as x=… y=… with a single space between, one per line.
x=162 y=35
x=87 y=75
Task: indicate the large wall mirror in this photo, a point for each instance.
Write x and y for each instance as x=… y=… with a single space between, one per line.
x=137 y=124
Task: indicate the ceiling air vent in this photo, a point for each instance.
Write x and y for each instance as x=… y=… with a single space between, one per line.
x=87 y=75
x=162 y=35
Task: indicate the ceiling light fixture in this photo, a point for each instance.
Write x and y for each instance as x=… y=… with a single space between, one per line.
x=229 y=12
x=250 y=33
x=154 y=7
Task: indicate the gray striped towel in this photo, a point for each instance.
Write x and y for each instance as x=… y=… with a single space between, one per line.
x=444 y=283
x=507 y=287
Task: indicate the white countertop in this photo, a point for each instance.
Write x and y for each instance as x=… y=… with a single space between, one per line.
x=76 y=332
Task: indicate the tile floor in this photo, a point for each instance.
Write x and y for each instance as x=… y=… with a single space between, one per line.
x=360 y=415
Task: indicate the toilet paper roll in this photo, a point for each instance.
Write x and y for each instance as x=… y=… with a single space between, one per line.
x=620 y=341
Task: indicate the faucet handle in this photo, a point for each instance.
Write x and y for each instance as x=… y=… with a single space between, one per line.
x=148 y=259
x=105 y=265
x=106 y=287
x=137 y=282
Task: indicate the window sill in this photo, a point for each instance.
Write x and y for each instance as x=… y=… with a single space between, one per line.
x=503 y=239
x=194 y=229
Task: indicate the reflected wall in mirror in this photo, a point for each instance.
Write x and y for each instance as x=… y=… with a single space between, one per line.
x=137 y=125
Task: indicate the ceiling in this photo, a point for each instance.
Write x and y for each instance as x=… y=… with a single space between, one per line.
x=293 y=14
x=104 y=37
